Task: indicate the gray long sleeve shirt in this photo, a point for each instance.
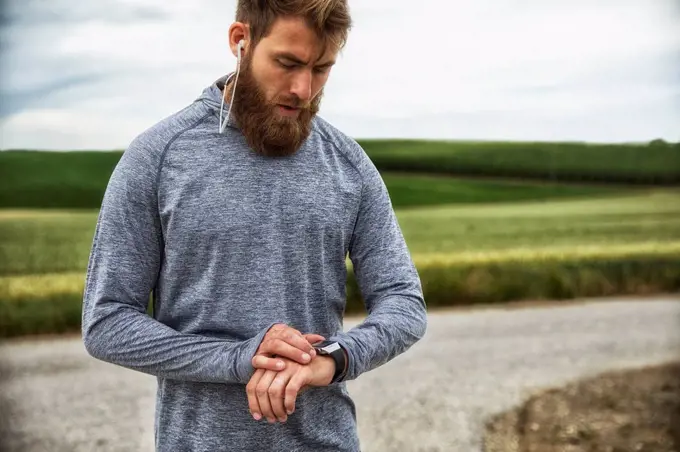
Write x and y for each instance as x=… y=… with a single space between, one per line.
x=230 y=243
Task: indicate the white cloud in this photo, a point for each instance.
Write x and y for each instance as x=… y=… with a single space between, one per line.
x=66 y=128
x=517 y=69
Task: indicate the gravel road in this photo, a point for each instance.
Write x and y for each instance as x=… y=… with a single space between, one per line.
x=436 y=397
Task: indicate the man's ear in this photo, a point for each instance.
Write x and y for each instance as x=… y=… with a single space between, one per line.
x=238 y=31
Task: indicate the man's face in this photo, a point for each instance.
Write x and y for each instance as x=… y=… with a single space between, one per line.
x=280 y=86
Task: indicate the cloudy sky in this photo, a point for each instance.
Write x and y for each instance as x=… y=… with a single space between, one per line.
x=79 y=75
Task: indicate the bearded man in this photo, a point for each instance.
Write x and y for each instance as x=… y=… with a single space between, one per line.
x=237 y=214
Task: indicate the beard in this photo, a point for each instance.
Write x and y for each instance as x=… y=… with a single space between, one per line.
x=266 y=132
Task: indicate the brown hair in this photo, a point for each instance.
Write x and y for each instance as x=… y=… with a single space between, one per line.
x=330 y=19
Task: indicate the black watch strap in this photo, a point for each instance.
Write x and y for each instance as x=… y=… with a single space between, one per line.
x=336 y=352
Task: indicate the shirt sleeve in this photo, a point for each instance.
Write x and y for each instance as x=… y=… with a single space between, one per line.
x=388 y=281
x=123 y=267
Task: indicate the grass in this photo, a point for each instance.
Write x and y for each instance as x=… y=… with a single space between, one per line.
x=35 y=286
x=652 y=217
x=621 y=163
x=51 y=240
x=466 y=253
x=51 y=303
x=49 y=179
x=54 y=179
x=423 y=190
x=46 y=241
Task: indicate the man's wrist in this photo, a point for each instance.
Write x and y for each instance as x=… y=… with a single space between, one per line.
x=338 y=354
x=326 y=369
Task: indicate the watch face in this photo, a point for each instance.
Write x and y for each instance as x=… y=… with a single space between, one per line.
x=330 y=348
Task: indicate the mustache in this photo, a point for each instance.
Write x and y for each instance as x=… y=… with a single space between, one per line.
x=294 y=102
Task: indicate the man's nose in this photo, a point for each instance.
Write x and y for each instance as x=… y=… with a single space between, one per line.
x=302 y=86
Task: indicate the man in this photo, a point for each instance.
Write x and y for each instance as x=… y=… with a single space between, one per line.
x=237 y=213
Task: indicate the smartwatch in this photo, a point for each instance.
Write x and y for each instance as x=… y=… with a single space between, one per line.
x=335 y=351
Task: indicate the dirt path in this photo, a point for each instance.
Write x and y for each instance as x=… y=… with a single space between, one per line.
x=624 y=411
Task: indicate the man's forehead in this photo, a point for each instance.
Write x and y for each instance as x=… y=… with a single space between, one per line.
x=296 y=41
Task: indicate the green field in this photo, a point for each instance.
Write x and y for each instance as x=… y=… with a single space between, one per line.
x=653 y=217
x=487 y=252
x=38 y=179
x=426 y=190
x=54 y=179
x=486 y=239
x=654 y=163
x=36 y=241
x=44 y=241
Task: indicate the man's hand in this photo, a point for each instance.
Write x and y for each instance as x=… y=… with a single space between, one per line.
x=284 y=342
x=272 y=394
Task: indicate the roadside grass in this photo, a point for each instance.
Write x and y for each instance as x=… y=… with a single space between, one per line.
x=52 y=302
x=466 y=254
x=49 y=241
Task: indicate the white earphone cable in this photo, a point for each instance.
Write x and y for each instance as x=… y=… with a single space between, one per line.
x=238 y=69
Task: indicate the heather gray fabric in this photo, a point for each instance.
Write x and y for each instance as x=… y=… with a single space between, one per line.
x=231 y=243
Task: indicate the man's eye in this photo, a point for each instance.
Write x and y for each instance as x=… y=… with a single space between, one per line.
x=286 y=65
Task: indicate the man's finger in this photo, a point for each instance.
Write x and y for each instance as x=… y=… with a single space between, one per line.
x=276 y=395
x=262 y=394
x=266 y=363
x=253 y=403
x=313 y=338
x=284 y=349
x=291 y=337
x=292 y=391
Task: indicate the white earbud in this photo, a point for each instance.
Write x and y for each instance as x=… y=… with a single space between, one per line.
x=241 y=44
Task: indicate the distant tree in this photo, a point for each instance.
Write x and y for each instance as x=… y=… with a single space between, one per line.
x=658 y=143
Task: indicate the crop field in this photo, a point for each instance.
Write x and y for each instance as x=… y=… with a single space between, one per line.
x=78 y=179
x=465 y=252
x=561 y=225
x=652 y=163
x=426 y=190
x=52 y=241
x=517 y=221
